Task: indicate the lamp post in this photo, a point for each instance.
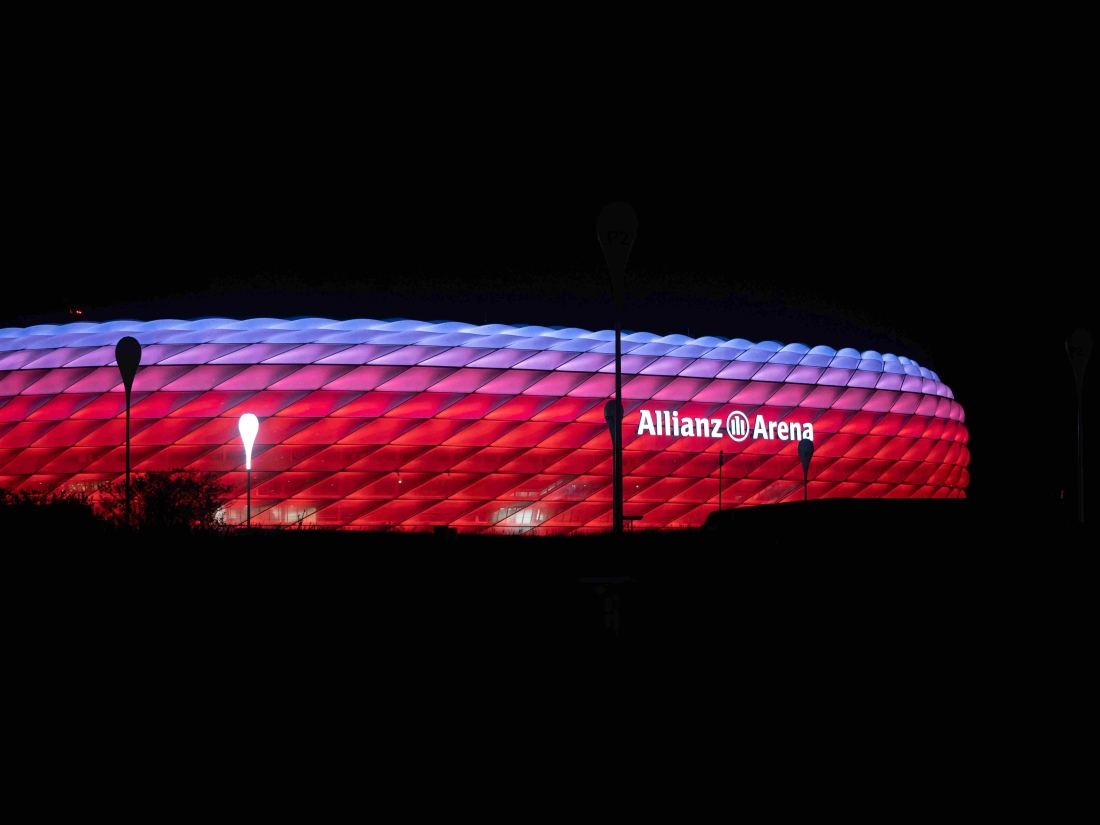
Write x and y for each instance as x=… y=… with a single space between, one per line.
x=249 y=426
x=805 y=453
x=128 y=357
x=1079 y=347
x=617 y=227
x=721 y=457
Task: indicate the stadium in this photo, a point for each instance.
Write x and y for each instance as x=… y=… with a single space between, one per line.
x=412 y=425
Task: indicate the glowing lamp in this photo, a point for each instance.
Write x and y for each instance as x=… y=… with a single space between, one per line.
x=250 y=425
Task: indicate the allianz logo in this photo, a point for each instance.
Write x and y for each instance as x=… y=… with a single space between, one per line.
x=737 y=427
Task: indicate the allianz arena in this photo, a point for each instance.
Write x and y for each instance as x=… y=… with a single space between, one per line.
x=493 y=428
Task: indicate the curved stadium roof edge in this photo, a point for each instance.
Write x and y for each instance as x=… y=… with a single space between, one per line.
x=448 y=333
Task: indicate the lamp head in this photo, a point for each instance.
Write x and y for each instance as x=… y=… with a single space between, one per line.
x=249 y=425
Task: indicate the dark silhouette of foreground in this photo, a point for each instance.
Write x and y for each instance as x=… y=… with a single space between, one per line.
x=903 y=648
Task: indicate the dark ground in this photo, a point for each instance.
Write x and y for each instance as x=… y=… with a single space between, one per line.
x=905 y=655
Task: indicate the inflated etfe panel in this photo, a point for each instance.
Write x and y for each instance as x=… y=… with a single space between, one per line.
x=410 y=425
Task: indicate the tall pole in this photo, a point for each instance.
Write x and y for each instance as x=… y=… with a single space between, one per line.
x=617 y=437
x=127 y=456
x=720 y=455
x=616 y=228
x=1079 y=347
x=805 y=453
x=249 y=426
x=128 y=357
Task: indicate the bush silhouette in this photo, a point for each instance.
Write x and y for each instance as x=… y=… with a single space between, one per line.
x=167 y=500
x=13 y=498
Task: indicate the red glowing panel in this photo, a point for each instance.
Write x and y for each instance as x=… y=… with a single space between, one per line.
x=238 y=485
x=111 y=433
x=68 y=433
x=19 y=408
x=439 y=459
x=25 y=433
x=490 y=486
x=263 y=404
x=371 y=405
x=210 y=404
x=482 y=433
x=577 y=488
x=442 y=513
x=278 y=430
x=338 y=457
x=393 y=512
x=75 y=459
x=284 y=485
x=279 y=457
x=115 y=460
x=391 y=485
x=173 y=458
x=390 y=457
x=436 y=431
x=445 y=486
x=339 y=485
x=380 y=431
x=572 y=435
x=225 y=458
x=425 y=405
x=160 y=404
x=166 y=431
x=528 y=434
x=218 y=431
x=533 y=460
x=473 y=407
x=318 y=404
x=577 y=461
x=59 y=407
x=327 y=431
x=522 y=408
x=30 y=460
x=489 y=459
x=342 y=512
x=565 y=409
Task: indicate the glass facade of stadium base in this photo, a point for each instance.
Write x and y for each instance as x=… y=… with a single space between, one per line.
x=411 y=425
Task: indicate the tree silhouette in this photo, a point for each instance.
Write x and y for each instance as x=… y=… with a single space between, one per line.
x=167 y=500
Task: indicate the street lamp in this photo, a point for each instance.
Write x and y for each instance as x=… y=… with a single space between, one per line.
x=617 y=227
x=721 y=460
x=128 y=357
x=249 y=426
x=805 y=453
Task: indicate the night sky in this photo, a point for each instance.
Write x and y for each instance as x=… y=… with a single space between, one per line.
x=960 y=248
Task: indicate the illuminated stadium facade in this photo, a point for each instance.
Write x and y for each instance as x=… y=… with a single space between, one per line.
x=412 y=425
